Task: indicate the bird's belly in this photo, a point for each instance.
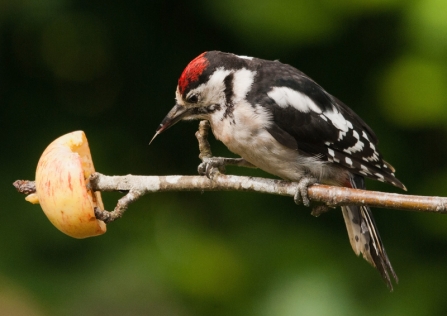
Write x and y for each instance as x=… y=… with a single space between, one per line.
x=263 y=151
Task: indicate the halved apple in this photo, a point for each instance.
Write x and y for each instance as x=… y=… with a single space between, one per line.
x=61 y=178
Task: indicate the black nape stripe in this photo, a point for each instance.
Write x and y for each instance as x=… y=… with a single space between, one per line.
x=229 y=93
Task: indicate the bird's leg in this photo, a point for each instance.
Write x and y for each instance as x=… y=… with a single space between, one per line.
x=210 y=165
x=301 y=195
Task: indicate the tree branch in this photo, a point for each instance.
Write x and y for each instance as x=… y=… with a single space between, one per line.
x=329 y=195
x=215 y=180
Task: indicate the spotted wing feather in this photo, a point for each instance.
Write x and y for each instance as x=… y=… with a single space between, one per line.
x=307 y=118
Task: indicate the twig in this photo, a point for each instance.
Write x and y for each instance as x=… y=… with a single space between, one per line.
x=25 y=186
x=331 y=196
x=121 y=207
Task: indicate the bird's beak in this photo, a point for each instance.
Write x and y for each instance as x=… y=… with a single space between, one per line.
x=177 y=113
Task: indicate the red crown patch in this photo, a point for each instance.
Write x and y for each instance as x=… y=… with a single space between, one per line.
x=192 y=72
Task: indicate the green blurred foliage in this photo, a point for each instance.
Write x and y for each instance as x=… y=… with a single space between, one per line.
x=110 y=68
x=415 y=86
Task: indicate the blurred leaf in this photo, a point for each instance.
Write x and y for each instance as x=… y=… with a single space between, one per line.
x=75 y=47
x=412 y=92
x=426 y=27
x=198 y=263
x=282 y=22
x=30 y=10
x=310 y=293
x=17 y=301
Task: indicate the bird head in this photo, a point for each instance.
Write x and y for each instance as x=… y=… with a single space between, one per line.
x=205 y=87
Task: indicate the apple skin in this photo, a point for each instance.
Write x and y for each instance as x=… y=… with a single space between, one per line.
x=61 y=178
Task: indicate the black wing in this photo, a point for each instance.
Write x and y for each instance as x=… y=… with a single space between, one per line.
x=308 y=119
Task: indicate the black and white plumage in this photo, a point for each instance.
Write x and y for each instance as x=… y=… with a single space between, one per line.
x=283 y=122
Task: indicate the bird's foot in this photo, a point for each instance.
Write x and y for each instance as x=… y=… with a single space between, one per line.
x=301 y=195
x=319 y=209
x=213 y=165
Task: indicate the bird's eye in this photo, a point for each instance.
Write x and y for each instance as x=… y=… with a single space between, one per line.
x=193 y=99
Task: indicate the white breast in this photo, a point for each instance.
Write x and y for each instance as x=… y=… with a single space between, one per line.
x=245 y=133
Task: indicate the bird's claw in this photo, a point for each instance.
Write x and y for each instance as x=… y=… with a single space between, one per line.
x=301 y=195
x=319 y=209
x=211 y=166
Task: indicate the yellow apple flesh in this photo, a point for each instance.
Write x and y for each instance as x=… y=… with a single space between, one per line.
x=61 y=178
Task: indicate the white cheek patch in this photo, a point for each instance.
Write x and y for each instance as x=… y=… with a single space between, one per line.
x=242 y=81
x=216 y=81
x=212 y=91
x=284 y=97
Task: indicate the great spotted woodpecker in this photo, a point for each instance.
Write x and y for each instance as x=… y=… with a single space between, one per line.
x=281 y=121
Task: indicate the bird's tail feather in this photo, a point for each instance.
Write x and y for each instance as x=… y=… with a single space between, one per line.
x=365 y=238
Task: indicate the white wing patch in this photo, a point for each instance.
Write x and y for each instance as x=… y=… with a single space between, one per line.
x=244 y=57
x=357 y=147
x=284 y=97
x=365 y=135
x=337 y=119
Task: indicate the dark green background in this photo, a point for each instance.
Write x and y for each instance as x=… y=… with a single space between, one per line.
x=110 y=68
